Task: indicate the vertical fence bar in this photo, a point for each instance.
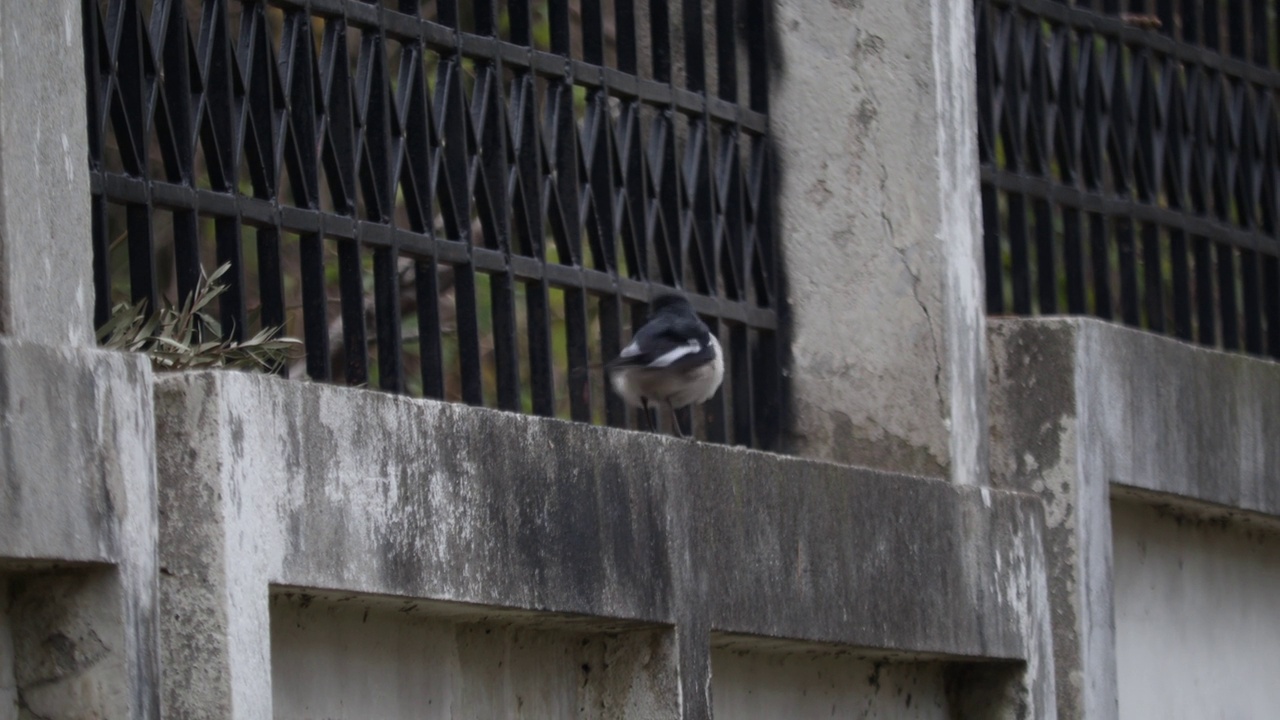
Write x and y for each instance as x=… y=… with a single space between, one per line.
x=340 y=166
x=665 y=225
x=417 y=182
x=987 y=156
x=1246 y=201
x=1094 y=52
x=373 y=88
x=305 y=104
x=600 y=213
x=531 y=239
x=1237 y=31
x=96 y=69
x=1151 y=138
x=565 y=191
x=451 y=105
x=261 y=150
x=1017 y=95
x=181 y=132
x=1039 y=149
x=489 y=112
x=131 y=117
x=760 y=269
x=1065 y=144
x=222 y=144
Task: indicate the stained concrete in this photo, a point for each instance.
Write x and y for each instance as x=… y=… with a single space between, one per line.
x=271 y=483
x=359 y=657
x=872 y=118
x=1197 y=629
x=46 y=289
x=1083 y=411
x=747 y=685
x=78 y=530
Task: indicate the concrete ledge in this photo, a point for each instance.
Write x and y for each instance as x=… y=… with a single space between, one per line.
x=272 y=483
x=1162 y=416
x=76 y=440
x=77 y=532
x=1184 y=421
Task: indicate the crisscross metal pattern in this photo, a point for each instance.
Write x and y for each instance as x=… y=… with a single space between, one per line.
x=1130 y=155
x=464 y=201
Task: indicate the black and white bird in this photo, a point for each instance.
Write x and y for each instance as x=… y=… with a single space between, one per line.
x=673 y=360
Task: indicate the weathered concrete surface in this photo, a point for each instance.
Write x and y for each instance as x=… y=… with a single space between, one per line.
x=70 y=646
x=77 y=486
x=357 y=657
x=46 y=294
x=1184 y=421
x=1083 y=410
x=1038 y=443
x=1197 y=629
x=872 y=116
x=266 y=482
x=768 y=685
x=959 y=231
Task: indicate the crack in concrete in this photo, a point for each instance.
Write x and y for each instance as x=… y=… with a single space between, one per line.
x=915 y=292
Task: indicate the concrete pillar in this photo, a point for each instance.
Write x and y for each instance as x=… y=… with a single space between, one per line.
x=46 y=288
x=1046 y=443
x=873 y=114
x=78 y=615
x=78 y=620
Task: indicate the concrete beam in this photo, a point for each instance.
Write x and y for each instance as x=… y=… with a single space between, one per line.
x=272 y=483
x=873 y=117
x=46 y=281
x=77 y=532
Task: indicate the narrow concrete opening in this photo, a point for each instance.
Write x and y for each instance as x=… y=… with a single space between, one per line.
x=757 y=678
x=1197 y=630
x=359 y=657
x=803 y=682
x=61 y=644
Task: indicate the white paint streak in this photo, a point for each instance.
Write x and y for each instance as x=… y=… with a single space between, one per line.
x=68 y=163
x=675 y=354
x=959 y=235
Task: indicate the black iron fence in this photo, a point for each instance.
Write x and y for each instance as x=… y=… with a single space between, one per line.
x=1130 y=154
x=470 y=201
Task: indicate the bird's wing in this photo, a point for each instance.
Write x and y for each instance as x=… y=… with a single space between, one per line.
x=678 y=345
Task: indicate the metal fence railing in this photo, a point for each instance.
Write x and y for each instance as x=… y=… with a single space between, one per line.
x=463 y=200
x=1130 y=157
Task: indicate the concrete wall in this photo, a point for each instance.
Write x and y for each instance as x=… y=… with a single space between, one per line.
x=77 y=532
x=77 y=481
x=1197 y=623
x=1082 y=411
x=233 y=546
x=268 y=483
x=872 y=114
x=507 y=539
x=46 y=289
